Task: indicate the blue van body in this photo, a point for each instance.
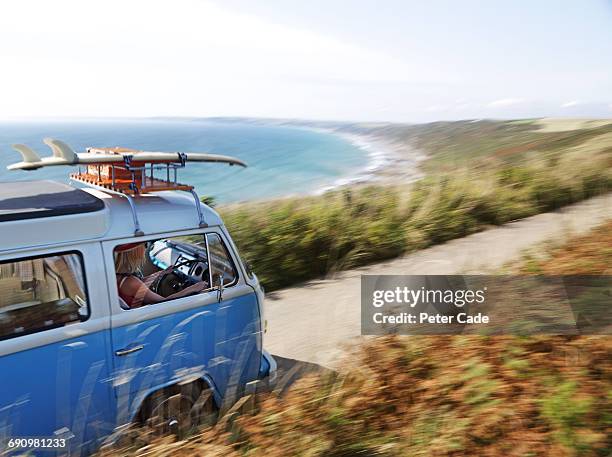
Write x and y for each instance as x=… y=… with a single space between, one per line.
x=220 y=345
x=85 y=381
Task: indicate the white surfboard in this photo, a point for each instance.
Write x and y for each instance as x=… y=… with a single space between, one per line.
x=65 y=155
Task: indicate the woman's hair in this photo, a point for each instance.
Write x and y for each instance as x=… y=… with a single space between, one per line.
x=130 y=261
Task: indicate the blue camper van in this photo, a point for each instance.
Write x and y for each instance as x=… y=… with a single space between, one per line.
x=82 y=355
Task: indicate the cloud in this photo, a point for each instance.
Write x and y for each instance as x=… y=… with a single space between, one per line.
x=459 y=105
x=190 y=58
x=505 y=102
x=571 y=103
x=435 y=108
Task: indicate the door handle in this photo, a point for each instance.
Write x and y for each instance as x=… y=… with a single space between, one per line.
x=129 y=350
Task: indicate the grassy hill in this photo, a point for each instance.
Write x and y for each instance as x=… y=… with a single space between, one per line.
x=478 y=173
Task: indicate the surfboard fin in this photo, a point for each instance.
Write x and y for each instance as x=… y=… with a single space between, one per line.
x=27 y=153
x=61 y=150
x=31 y=160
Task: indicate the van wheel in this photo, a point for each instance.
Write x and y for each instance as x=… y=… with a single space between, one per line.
x=179 y=410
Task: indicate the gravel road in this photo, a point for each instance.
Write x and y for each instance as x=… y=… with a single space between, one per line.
x=312 y=322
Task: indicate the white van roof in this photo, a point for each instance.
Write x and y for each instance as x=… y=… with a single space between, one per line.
x=35 y=199
x=47 y=213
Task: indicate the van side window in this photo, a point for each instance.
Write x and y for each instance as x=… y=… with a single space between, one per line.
x=41 y=293
x=154 y=271
x=220 y=261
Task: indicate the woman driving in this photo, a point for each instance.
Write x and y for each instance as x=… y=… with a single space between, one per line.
x=133 y=287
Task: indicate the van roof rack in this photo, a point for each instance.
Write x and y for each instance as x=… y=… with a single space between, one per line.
x=122 y=171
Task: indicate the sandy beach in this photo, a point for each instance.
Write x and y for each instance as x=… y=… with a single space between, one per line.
x=390 y=162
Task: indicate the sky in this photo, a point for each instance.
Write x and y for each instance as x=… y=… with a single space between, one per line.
x=375 y=60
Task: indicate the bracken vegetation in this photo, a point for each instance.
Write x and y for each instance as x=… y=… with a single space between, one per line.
x=589 y=254
x=446 y=396
x=431 y=396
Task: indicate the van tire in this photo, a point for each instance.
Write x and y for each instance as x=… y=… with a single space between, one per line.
x=179 y=409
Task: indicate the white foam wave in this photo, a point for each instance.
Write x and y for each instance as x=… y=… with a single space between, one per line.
x=379 y=157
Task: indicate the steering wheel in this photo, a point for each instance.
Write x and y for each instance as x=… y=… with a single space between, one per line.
x=173 y=280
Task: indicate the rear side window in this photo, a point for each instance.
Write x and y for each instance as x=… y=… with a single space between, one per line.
x=221 y=265
x=41 y=293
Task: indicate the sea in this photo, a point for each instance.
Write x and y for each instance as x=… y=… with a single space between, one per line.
x=281 y=160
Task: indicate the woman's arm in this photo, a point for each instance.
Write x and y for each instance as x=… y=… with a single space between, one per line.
x=193 y=289
x=134 y=287
x=131 y=286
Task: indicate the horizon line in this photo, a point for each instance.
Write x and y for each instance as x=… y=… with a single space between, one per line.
x=281 y=119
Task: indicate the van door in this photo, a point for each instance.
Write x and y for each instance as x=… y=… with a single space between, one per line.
x=214 y=335
x=54 y=340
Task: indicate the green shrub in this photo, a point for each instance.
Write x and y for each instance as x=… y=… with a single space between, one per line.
x=293 y=240
x=566 y=413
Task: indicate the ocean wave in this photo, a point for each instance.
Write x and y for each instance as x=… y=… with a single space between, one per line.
x=380 y=156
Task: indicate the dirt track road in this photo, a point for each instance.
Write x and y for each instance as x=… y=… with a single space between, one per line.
x=313 y=321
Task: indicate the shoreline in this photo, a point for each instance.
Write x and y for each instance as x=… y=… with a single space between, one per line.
x=390 y=163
